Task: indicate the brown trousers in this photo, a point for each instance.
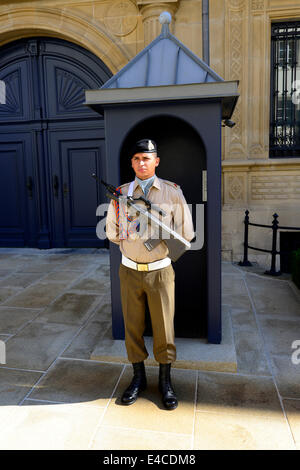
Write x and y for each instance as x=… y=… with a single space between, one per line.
x=158 y=288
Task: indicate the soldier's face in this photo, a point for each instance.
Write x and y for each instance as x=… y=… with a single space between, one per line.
x=144 y=164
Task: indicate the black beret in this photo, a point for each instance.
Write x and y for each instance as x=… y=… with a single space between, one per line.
x=144 y=146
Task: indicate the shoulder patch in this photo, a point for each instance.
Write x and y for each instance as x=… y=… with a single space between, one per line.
x=174 y=185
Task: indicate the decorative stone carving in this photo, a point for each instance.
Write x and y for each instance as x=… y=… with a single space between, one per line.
x=235 y=188
x=121 y=17
x=256 y=151
x=236 y=147
x=236 y=4
x=258 y=5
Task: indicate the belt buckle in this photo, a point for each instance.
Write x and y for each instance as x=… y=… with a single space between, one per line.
x=142 y=267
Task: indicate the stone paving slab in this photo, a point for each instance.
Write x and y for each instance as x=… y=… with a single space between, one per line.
x=15 y=385
x=36 y=296
x=249 y=344
x=20 y=279
x=238 y=298
x=4 y=272
x=103 y=312
x=52 y=427
x=70 y=308
x=274 y=298
x=37 y=345
x=78 y=264
x=65 y=277
x=40 y=266
x=280 y=334
x=13 y=318
x=8 y=292
x=148 y=413
x=292 y=409
x=6 y=413
x=93 y=283
x=250 y=352
x=11 y=262
x=234 y=432
x=122 y=438
x=243 y=319
x=237 y=393
x=4 y=337
x=88 y=338
x=78 y=381
x=286 y=376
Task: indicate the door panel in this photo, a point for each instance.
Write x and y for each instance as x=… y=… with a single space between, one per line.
x=73 y=160
x=65 y=83
x=16 y=173
x=18 y=106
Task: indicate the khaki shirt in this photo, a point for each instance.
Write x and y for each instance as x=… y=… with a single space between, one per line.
x=170 y=198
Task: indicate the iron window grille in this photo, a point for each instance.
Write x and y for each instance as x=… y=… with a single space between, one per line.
x=285 y=90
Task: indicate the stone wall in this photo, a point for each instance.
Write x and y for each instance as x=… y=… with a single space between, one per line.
x=116 y=30
x=240 y=50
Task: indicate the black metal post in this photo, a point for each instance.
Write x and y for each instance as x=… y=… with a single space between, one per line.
x=245 y=261
x=273 y=271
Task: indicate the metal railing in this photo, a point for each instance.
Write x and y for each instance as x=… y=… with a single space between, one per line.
x=275 y=227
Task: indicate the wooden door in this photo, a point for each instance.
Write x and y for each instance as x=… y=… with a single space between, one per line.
x=50 y=143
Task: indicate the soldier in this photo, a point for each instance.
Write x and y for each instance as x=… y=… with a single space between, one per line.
x=149 y=275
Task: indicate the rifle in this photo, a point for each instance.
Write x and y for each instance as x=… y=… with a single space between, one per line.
x=176 y=244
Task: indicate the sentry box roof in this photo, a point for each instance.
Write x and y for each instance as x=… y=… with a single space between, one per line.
x=166 y=70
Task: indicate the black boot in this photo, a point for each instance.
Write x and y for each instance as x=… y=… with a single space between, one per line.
x=168 y=395
x=137 y=385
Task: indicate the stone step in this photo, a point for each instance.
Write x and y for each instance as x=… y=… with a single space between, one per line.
x=192 y=353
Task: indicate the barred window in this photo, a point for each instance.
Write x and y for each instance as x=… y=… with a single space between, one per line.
x=285 y=90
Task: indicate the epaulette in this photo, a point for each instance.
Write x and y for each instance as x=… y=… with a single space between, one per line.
x=174 y=185
x=122 y=186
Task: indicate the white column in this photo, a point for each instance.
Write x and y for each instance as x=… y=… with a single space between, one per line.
x=150 y=11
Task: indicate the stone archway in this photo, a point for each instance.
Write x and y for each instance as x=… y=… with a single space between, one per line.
x=23 y=22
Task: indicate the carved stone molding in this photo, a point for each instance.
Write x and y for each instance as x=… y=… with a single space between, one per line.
x=257 y=4
x=150 y=11
x=235 y=188
x=235 y=50
x=121 y=17
x=258 y=88
x=239 y=4
x=256 y=151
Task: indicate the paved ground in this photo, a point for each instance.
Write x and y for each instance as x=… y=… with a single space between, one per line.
x=54 y=310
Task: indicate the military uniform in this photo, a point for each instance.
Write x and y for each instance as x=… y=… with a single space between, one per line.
x=156 y=285
x=148 y=275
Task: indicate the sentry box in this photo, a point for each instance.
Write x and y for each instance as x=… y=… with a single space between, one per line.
x=168 y=94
